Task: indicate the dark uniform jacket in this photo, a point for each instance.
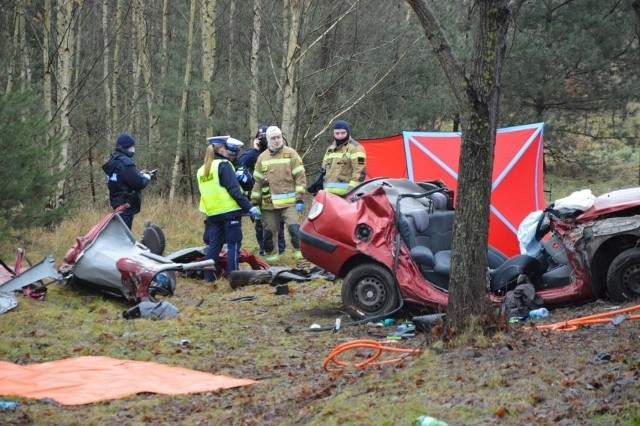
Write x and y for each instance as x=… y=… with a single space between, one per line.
x=125 y=181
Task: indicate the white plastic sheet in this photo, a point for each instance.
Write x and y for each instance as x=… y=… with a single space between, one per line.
x=579 y=200
x=526 y=234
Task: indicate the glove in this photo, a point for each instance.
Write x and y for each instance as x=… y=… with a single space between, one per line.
x=255 y=213
x=242 y=177
x=317 y=184
x=299 y=206
x=146 y=176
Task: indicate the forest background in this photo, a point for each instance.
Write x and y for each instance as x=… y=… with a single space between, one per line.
x=77 y=73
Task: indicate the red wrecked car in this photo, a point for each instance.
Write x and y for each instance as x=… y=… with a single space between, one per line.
x=390 y=239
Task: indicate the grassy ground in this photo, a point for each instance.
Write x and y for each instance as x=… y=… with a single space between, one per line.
x=517 y=376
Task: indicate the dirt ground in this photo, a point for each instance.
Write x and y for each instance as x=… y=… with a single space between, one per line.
x=518 y=376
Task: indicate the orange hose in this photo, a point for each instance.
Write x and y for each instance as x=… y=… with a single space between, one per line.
x=602 y=318
x=355 y=344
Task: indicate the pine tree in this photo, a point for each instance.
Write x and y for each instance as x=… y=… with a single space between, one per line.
x=29 y=172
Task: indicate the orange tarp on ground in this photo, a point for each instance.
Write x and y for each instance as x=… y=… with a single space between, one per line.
x=88 y=379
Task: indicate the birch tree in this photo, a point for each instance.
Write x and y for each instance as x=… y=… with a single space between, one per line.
x=254 y=64
x=11 y=72
x=165 y=49
x=289 y=84
x=105 y=68
x=231 y=70
x=64 y=74
x=46 y=64
x=25 y=70
x=208 y=31
x=133 y=120
x=292 y=61
x=144 y=56
x=114 y=107
x=175 y=176
x=19 y=61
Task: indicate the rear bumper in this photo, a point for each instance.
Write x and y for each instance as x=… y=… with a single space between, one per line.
x=317 y=242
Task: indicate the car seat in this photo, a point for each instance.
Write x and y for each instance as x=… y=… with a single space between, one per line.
x=440 y=200
x=411 y=225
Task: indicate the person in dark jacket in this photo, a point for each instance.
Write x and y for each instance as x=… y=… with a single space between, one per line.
x=124 y=180
x=244 y=175
x=223 y=202
x=247 y=161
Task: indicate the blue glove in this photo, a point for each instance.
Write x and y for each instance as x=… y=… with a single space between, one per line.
x=299 y=206
x=255 y=213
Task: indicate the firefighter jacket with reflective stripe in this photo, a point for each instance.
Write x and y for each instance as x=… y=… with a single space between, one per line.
x=220 y=193
x=280 y=179
x=345 y=167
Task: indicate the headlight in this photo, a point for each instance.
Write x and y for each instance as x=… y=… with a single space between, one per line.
x=315 y=210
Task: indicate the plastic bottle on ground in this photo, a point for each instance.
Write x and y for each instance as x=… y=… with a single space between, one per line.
x=429 y=421
x=538 y=313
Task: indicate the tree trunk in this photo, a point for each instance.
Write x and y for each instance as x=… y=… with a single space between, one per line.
x=231 y=62
x=175 y=177
x=115 y=108
x=46 y=64
x=26 y=71
x=255 y=71
x=105 y=69
x=145 y=66
x=636 y=8
x=289 y=84
x=281 y=72
x=477 y=96
x=66 y=34
x=77 y=58
x=11 y=71
x=208 y=21
x=165 y=49
x=136 y=73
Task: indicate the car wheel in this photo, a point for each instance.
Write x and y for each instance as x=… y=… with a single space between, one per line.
x=369 y=290
x=153 y=238
x=623 y=277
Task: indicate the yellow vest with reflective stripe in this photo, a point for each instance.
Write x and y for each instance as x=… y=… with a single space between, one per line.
x=214 y=198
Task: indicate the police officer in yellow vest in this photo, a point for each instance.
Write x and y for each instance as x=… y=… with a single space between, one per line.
x=279 y=187
x=222 y=201
x=344 y=162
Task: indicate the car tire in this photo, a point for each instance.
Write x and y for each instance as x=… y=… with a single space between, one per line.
x=369 y=290
x=623 y=276
x=153 y=238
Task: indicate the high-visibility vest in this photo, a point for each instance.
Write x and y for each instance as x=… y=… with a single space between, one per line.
x=214 y=198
